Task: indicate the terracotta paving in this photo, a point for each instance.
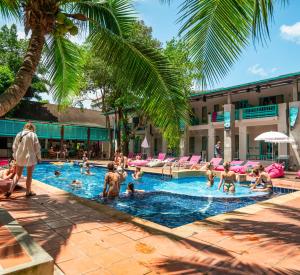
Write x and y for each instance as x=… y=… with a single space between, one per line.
x=89 y=238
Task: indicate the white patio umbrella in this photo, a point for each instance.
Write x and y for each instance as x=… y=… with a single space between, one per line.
x=273 y=137
x=145 y=145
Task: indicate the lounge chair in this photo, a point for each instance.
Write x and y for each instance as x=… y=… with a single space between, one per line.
x=160 y=163
x=216 y=162
x=157 y=162
x=195 y=159
x=181 y=161
x=243 y=169
x=232 y=164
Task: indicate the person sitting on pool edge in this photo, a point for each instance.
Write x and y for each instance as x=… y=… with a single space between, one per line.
x=137 y=175
x=228 y=178
x=130 y=189
x=8 y=174
x=111 y=187
x=210 y=175
x=263 y=182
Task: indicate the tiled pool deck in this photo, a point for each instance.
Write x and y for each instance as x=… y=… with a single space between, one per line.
x=84 y=237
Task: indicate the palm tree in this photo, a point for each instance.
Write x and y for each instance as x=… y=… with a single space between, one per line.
x=218 y=30
x=52 y=22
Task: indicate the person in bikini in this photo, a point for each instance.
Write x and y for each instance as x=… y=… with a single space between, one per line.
x=228 y=178
x=111 y=187
x=263 y=182
x=210 y=175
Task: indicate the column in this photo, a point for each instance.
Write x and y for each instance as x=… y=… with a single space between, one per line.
x=295 y=135
x=211 y=142
x=131 y=145
x=229 y=135
x=283 y=128
x=295 y=90
x=243 y=142
x=184 y=144
x=164 y=146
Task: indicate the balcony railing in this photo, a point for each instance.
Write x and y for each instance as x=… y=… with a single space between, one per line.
x=220 y=116
x=260 y=112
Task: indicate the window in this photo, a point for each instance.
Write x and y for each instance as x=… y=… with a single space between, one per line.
x=192 y=145
x=241 y=104
x=3 y=143
x=269 y=100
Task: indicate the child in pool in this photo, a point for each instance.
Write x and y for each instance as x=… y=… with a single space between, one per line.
x=137 y=175
x=88 y=170
x=210 y=175
x=130 y=189
x=228 y=178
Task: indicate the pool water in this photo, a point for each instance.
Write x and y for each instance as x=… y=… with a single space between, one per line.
x=168 y=202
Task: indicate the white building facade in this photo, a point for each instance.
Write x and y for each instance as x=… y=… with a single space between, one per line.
x=248 y=110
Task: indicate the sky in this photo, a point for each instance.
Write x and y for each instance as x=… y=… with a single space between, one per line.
x=280 y=56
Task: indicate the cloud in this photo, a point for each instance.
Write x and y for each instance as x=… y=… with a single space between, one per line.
x=291 y=33
x=257 y=69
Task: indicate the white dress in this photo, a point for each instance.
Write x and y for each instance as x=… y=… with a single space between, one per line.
x=26 y=148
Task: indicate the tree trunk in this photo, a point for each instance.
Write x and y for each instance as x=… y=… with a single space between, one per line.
x=110 y=132
x=13 y=95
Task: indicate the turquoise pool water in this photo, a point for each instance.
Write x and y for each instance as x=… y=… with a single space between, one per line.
x=169 y=202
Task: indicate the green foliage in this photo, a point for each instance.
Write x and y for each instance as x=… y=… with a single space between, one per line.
x=216 y=31
x=6 y=78
x=178 y=54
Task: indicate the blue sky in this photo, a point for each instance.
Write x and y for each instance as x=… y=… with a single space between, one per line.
x=280 y=56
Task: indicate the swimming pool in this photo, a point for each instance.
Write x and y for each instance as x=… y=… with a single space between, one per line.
x=171 y=202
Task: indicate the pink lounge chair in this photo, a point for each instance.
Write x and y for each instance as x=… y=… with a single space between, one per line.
x=4 y=162
x=243 y=169
x=232 y=164
x=216 y=162
x=161 y=156
x=194 y=160
x=181 y=161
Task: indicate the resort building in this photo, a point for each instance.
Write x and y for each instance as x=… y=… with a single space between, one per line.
x=78 y=129
x=235 y=116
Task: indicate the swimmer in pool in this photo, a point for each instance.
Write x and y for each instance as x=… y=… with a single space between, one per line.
x=137 y=175
x=57 y=173
x=122 y=174
x=130 y=189
x=111 y=188
x=263 y=183
x=228 y=178
x=88 y=170
x=76 y=183
x=210 y=175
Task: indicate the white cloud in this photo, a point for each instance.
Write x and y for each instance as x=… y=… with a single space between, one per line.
x=257 y=69
x=291 y=33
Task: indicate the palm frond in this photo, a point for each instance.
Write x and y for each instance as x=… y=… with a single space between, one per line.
x=149 y=74
x=10 y=9
x=217 y=31
x=64 y=65
x=114 y=15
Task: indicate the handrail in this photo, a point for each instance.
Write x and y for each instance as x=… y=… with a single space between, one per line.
x=260 y=111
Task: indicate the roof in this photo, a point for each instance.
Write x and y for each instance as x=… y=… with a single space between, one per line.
x=30 y=110
x=276 y=79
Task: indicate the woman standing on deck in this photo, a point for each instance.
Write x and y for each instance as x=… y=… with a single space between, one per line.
x=26 y=152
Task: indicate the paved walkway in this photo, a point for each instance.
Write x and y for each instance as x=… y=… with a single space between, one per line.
x=89 y=238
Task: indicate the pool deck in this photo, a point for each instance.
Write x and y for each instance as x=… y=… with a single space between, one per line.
x=85 y=237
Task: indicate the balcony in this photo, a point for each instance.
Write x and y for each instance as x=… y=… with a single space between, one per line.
x=260 y=112
x=219 y=116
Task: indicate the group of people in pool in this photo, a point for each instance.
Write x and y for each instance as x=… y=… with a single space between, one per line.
x=115 y=177
x=261 y=181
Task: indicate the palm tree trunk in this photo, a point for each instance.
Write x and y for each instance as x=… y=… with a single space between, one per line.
x=13 y=95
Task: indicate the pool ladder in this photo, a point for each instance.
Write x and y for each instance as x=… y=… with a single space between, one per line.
x=163 y=174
